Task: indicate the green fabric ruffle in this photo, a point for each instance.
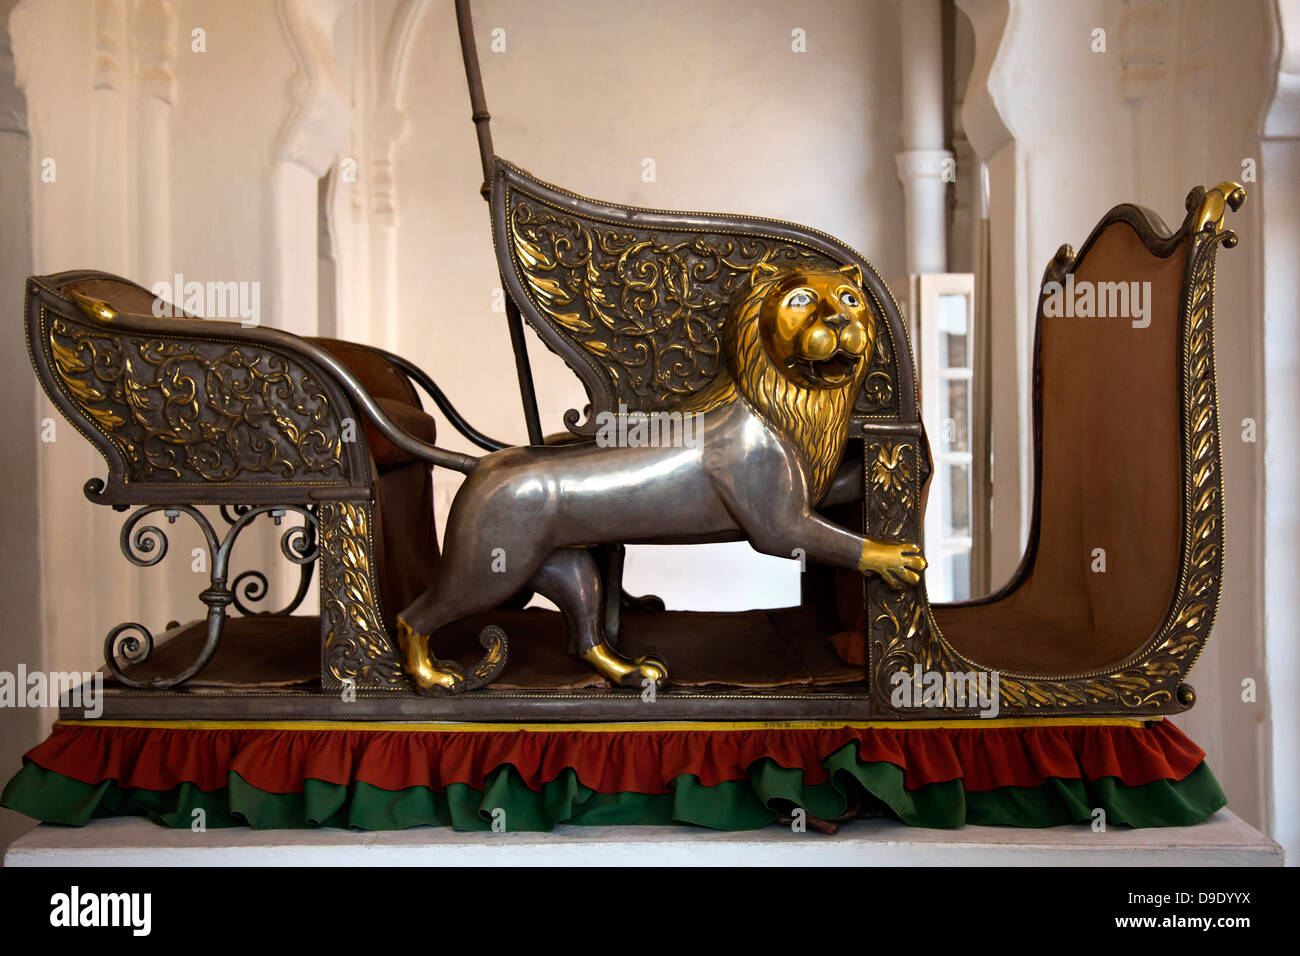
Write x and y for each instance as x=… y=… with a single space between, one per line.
x=732 y=805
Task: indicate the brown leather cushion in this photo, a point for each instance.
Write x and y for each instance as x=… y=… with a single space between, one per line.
x=784 y=647
x=264 y=650
x=392 y=391
x=406 y=539
x=760 y=649
x=562 y=438
x=381 y=377
x=1111 y=479
x=410 y=419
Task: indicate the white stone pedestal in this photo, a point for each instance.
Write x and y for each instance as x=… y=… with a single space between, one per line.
x=1223 y=840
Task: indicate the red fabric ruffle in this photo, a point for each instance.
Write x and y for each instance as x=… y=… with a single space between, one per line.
x=608 y=761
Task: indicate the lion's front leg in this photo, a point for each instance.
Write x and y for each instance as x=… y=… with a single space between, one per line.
x=897 y=563
x=786 y=527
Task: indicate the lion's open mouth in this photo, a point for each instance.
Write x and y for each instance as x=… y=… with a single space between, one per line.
x=838 y=368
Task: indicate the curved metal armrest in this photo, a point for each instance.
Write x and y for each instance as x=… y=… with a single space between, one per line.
x=430 y=387
x=64 y=354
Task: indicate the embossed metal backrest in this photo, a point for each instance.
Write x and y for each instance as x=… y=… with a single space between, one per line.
x=633 y=299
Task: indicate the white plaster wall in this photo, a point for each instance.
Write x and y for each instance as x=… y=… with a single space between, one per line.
x=734 y=121
x=20 y=580
x=232 y=102
x=1280 y=248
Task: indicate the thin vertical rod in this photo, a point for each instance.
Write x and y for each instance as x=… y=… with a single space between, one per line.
x=525 y=370
x=482 y=119
x=478 y=102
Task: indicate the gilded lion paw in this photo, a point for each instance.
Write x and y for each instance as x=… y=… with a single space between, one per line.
x=651 y=668
x=897 y=564
x=429 y=676
x=621 y=672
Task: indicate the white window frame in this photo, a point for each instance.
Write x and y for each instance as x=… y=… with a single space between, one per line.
x=943 y=548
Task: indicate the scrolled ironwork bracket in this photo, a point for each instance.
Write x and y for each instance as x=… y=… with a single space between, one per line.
x=146 y=546
x=253 y=586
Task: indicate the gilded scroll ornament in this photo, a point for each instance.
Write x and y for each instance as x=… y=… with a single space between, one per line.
x=355 y=644
x=1214 y=205
x=647 y=305
x=199 y=410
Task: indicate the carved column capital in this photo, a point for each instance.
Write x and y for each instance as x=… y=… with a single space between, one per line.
x=320 y=114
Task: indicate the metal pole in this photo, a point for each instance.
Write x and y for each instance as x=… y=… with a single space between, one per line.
x=482 y=118
x=478 y=102
x=525 y=370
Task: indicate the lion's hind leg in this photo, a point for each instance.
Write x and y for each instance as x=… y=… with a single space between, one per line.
x=571 y=578
x=469 y=581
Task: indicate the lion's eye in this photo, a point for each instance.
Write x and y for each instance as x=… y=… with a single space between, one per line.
x=849 y=299
x=800 y=299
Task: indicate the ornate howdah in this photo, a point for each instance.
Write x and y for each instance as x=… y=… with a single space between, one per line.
x=748 y=380
x=752 y=327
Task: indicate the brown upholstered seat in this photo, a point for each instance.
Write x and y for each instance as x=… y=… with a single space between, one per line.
x=1108 y=483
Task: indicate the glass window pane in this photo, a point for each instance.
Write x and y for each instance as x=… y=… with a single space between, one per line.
x=954 y=411
x=953 y=328
x=957 y=520
x=959 y=571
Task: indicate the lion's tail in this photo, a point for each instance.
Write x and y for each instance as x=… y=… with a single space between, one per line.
x=446 y=459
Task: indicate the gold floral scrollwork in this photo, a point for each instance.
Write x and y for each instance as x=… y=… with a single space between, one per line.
x=893 y=476
x=646 y=305
x=192 y=410
x=356 y=645
x=900 y=631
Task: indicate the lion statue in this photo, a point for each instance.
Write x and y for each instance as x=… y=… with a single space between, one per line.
x=768 y=434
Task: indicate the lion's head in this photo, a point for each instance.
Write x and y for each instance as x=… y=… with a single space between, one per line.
x=815 y=324
x=798 y=344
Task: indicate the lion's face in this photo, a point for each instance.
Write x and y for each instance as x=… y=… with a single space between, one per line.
x=798 y=342
x=815 y=325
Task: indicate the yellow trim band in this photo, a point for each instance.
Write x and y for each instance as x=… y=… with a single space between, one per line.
x=644 y=727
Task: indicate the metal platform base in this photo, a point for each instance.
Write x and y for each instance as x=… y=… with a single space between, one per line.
x=484 y=705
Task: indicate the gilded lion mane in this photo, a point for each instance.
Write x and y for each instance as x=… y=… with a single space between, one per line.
x=815 y=420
